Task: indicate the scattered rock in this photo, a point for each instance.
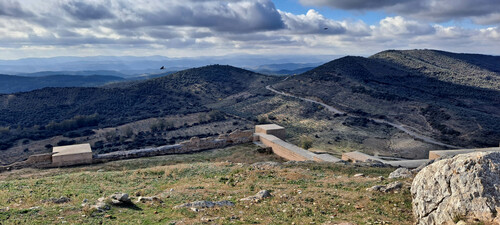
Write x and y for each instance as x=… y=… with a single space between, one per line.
x=467 y=185
x=101 y=207
x=205 y=204
x=400 y=173
x=59 y=200
x=257 y=197
x=386 y=188
x=359 y=175
x=266 y=165
x=149 y=199
x=120 y=198
x=461 y=222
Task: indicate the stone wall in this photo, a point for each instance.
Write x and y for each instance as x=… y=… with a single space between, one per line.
x=292 y=152
x=195 y=144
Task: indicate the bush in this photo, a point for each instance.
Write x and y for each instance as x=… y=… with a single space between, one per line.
x=306 y=142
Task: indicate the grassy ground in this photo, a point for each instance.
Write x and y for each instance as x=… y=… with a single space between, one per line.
x=311 y=193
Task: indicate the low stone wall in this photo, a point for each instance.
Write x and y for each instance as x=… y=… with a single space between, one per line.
x=292 y=152
x=39 y=159
x=195 y=144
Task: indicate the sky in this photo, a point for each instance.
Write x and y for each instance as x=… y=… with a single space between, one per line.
x=191 y=28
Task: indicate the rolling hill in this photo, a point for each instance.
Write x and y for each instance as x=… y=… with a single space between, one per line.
x=451 y=97
x=53 y=111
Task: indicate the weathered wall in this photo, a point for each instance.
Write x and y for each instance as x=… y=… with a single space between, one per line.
x=271 y=129
x=195 y=144
x=72 y=159
x=290 y=151
x=39 y=159
x=439 y=153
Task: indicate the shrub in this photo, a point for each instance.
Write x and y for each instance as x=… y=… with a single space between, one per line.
x=306 y=142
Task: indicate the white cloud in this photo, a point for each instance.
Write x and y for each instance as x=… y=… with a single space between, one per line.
x=480 y=11
x=206 y=27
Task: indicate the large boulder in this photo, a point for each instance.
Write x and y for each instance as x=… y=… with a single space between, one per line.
x=464 y=187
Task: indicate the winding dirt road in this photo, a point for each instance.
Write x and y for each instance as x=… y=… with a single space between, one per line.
x=397 y=126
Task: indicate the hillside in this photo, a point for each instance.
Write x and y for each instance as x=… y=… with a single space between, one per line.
x=450 y=97
x=49 y=112
x=11 y=84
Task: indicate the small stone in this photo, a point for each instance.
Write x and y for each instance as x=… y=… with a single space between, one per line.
x=149 y=199
x=257 y=197
x=359 y=175
x=119 y=198
x=400 y=173
x=101 y=206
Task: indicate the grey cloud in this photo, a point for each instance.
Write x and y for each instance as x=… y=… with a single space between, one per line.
x=222 y=16
x=480 y=11
x=83 y=10
x=13 y=9
x=353 y=4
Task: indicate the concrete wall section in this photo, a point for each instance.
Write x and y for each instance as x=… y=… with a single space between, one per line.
x=284 y=149
x=292 y=152
x=440 y=153
x=271 y=129
x=72 y=159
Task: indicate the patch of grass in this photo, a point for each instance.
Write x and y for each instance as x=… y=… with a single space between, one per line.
x=303 y=193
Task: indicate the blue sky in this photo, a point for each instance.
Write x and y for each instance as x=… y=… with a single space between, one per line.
x=293 y=6
x=190 y=28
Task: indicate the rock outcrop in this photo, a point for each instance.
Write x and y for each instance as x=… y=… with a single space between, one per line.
x=387 y=188
x=466 y=187
x=400 y=173
x=257 y=197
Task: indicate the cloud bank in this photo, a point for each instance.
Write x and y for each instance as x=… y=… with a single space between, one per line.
x=32 y=28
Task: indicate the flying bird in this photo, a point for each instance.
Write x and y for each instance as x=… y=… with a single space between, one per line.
x=326 y=28
x=162 y=68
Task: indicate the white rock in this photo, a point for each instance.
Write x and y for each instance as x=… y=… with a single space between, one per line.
x=466 y=185
x=400 y=173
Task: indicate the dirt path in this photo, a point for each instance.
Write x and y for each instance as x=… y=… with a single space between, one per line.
x=397 y=126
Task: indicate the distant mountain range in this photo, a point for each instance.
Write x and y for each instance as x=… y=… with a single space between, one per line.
x=133 y=66
x=12 y=84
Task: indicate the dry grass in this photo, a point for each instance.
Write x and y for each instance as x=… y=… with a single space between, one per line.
x=311 y=193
